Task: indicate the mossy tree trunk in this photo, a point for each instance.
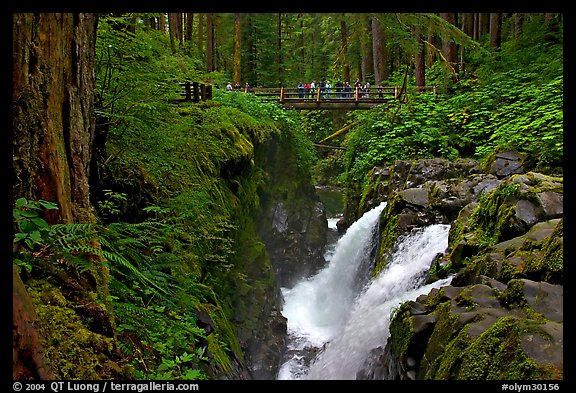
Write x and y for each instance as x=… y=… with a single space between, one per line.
x=53 y=126
x=53 y=110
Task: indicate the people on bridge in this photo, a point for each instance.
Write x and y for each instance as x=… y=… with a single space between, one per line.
x=367 y=89
x=247 y=88
x=328 y=87
x=380 y=90
x=312 y=89
x=338 y=85
x=347 y=89
x=229 y=86
x=301 y=90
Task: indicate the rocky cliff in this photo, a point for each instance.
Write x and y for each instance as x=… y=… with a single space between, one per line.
x=502 y=315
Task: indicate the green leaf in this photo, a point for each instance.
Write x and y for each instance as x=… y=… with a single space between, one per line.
x=21 y=202
x=19 y=236
x=40 y=223
x=35 y=236
x=29 y=213
x=48 y=205
x=192 y=374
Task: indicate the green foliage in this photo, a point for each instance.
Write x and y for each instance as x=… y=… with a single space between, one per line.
x=514 y=102
x=110 y=206
x=31 y=228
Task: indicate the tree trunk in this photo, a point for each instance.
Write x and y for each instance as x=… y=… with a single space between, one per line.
x=552 y=24
x=200 y=37
x=279 y=49
x=483 y=24
x=518 y=22
x=162 y=22
x=53 y=128
x=344 y=48
x=431 y=49
x=173 y=28
x=27 y=354
x=468 y=24
x=420 y=61
x=449 y=47
x=236 y=62
x=53 y=102
x=378 y=49
x=495 y=30
x=189 y=28
x=367 y=65
x=476 y=31
x=209 y=43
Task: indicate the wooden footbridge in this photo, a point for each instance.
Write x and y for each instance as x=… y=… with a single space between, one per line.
x=356 y=98
x=300 y=98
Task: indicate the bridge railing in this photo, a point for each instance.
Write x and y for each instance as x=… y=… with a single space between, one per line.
x=302 y=94
x=287 y=93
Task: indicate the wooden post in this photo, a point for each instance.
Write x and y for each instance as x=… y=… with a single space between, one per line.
x=318 y=95
x=188 y=94
x=395 y=92
x=208 y=92
x=203 y=91
x=282 y=94
x=196 y=92
x=357 y=93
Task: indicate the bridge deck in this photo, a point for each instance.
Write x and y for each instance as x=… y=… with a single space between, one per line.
x=333 y=103
x=296 y=98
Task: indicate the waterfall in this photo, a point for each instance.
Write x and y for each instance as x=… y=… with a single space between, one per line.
x=332 y=322
x=318 y=307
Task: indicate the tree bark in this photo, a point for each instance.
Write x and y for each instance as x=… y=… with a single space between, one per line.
x=189 y=29
x=344 y=48
x=378 y=49
x=518 y=22
x=431 y=49
x=367 y=65
x=495 y=30
x=420 y=61
x=162 y=22
x=53 y=110
x=483 y=24
x=236 y=54
x=200 y=35
x=53 y=129
x=279 y=49
x=449 y=46
x=209 y=43
x=27 y=357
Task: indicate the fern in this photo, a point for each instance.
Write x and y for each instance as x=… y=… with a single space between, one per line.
x=116 y=258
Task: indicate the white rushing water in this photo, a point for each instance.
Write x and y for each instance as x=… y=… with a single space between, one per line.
x=329 y=314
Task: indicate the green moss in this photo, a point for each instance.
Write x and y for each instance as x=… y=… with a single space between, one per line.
x=219 y=354
x=497 y=354
x=388 y=236
x=465 y=300
x=449 y=364
x=401 y=330
x=553 y=255
x=445 y=330
x=72 y=351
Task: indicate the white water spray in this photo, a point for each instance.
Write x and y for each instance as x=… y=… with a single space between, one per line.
x=325 y=312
